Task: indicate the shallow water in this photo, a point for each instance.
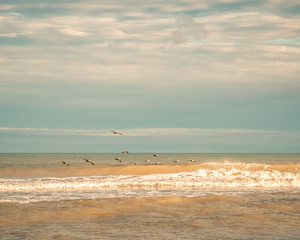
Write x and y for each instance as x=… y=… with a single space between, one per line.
x=218 y=197
x=249 y=216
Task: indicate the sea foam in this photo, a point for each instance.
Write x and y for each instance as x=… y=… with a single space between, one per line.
x=220 y=177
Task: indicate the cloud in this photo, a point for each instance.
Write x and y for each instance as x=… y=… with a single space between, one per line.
x=74 y=32
x=46 y=131
x=187 y=30
x=7 y=6
x=151 y=132
x=140 y=42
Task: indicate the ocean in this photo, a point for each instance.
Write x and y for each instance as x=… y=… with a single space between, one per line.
x=140 y=196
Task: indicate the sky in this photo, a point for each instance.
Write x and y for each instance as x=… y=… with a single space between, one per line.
x=189 y=76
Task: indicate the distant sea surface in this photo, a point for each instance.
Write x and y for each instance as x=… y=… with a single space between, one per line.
x=172 y=196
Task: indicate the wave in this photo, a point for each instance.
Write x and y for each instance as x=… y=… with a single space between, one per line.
x=206 y=175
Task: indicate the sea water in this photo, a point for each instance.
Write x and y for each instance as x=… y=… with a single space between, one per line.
x=214 y=196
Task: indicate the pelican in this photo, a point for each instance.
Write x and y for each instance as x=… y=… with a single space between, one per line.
x=89 y=161
x=191 y=161
x=116 y=133
x=156 y=155
x=66 y=163
x=118 y=159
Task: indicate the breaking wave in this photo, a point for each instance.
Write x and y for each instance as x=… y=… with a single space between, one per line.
x=222 y=175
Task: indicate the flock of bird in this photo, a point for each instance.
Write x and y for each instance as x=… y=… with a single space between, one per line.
x=126 y=152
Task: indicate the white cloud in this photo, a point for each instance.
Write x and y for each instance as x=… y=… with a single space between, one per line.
x=46 y=131
x=7 y=6
x=13 y=34
x=134 y=44
x=187 y=30
x=74 y=32
x=151 y=132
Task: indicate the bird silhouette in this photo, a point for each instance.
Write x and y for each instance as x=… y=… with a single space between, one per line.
x=66 y=163
x=116 y=133
x=89 y=161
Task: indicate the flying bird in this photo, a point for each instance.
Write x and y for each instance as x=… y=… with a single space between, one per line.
x=89 y=161
x=116 y=133
x=118 y=159
x=191 y=161
x=125 y=152
x=66 y=163
x=156 y=155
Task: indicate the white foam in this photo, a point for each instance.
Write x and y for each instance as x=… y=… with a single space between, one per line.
x=201 y=178
x=187 y=184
